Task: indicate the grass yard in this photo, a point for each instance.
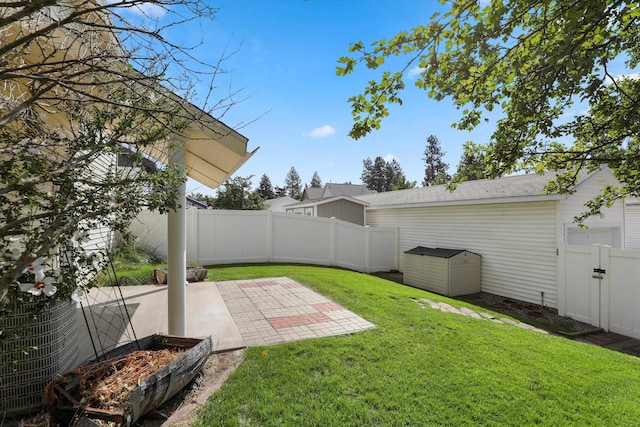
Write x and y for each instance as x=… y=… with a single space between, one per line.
x=419 y=367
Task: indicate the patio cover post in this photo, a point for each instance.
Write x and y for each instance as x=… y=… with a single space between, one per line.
x=177 y=249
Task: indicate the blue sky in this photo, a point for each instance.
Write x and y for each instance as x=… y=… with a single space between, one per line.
x=296 y=107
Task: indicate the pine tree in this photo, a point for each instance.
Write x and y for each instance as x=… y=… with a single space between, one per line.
x=381 y=175
x=265 y=189
x=472 y=164
x=293 y=184
x=435 y=171
x=316 y=182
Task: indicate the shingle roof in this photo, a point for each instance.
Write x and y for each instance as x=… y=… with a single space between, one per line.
x=510 y=188
x=350 y=190
x=312 y=193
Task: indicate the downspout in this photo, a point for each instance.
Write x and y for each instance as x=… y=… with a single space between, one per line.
x=177 y=248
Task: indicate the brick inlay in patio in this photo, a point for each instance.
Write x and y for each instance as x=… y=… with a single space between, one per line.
x=303 y=319
x=327 y=306
x=275 y=310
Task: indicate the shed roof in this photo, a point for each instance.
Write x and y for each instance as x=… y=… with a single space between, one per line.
x=435 y=252
x=501 y=190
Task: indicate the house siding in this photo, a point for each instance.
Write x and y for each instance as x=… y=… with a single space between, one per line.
x=632 y=225
x=612 y=218
x=344 y=210
x=517 y=242
x=101 y=237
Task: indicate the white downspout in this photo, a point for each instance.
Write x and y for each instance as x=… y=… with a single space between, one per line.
x=177 y=249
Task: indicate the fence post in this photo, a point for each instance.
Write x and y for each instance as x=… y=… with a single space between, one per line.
x=605 y=282
x=367 y=249
x=270 y=236
x=562 y=279
x=332 y=242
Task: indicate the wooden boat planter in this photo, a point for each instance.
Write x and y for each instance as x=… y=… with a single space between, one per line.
x=64 y=393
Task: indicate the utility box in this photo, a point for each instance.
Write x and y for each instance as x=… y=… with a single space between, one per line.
x=447 y=272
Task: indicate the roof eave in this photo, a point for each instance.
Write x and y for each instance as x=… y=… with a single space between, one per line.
x=521 y=199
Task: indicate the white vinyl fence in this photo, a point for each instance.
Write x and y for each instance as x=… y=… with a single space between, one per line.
x=225 y=237
x=601 y=286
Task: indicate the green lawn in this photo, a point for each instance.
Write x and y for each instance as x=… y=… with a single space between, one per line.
x=418 y=367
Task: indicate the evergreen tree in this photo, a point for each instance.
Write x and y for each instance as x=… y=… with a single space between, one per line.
x=293 y=184
x=380 y=175
x=472 y=164
x=280 y=191
x=435 y=171
x=316 y=182
x=265 y=189
x=403 y=184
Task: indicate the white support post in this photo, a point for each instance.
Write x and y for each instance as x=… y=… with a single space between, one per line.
x=177 y=251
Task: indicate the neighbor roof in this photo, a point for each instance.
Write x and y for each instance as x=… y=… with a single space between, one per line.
x=501 y=190
x=317 y=202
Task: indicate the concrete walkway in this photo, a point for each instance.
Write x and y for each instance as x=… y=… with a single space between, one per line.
x=234 y=314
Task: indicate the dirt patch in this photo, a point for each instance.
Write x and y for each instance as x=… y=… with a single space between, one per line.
x=546 y=318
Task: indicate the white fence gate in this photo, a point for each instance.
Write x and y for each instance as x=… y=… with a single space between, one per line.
x=601 y=286
x=226 y=237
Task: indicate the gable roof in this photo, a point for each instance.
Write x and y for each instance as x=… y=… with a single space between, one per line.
x=350 y=190
x=509 y=189
x=279 y=203
x=317 y=202
x=312 y=193
x=333 y=190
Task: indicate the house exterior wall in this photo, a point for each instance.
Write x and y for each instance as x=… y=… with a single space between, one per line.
x=102 y=236
x=517 y=242
x=342 y=209
x=608 y=228
x=632 y=224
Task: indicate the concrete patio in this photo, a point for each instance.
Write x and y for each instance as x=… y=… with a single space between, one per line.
x=235 y=314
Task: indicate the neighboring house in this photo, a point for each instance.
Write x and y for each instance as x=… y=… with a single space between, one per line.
x=511 y=222
x=333 y=190
x=278 y=204
x=340 y=207
x=197 y=204
x=333 y=201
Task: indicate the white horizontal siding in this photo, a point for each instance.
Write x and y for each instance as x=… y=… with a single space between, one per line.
x=100 y=237
x=611 y=218
x=632 y=226
x=517 y=242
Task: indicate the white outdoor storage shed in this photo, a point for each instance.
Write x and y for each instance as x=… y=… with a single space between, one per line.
x=448 y=272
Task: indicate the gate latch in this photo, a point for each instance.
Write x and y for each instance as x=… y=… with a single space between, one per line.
x=598 y=272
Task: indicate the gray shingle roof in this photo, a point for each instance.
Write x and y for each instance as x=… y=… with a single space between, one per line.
x=351 y=190
x=510 y=187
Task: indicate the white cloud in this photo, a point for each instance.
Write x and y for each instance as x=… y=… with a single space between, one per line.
x=619 y=77
x=633 y=76
x=389 y=157
x=322 y=131
x=147 y=10
x=414 y=72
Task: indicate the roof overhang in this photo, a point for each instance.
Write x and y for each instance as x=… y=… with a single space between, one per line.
x=213 y=150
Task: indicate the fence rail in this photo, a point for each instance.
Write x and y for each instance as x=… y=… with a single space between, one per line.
x=225 y=237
